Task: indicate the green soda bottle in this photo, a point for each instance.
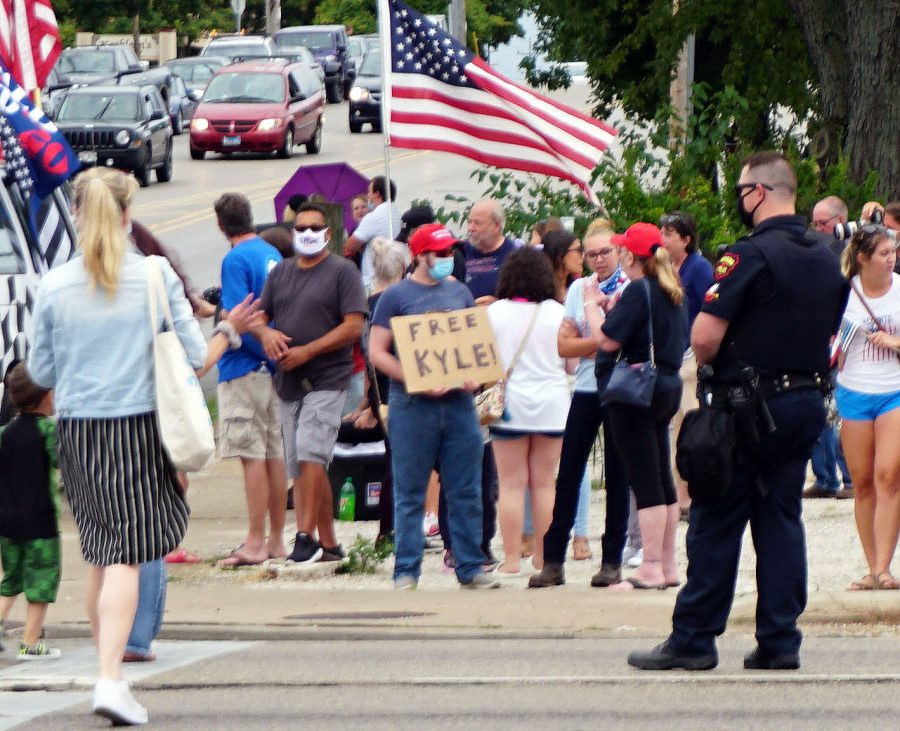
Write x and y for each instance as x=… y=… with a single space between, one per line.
x=347 y=510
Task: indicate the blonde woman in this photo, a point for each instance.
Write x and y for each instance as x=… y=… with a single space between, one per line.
x=868 y=398
x=93 y=345
x=642 y=434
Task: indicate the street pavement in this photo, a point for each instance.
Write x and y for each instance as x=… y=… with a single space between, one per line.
x=255 y=647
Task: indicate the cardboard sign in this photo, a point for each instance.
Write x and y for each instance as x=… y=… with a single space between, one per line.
x=446 y=349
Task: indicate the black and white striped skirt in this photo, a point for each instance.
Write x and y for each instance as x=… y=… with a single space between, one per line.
x=123 y=488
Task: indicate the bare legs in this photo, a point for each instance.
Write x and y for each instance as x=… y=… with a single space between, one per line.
x=264 y=488
x=526 y=462
x=112 y=594
x=316 y=509
x=872 y=450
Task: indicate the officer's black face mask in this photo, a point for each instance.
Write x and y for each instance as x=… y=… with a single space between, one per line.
x=741 y=191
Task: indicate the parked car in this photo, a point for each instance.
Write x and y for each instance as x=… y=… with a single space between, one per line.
x=235 y=47
x=124 y=127
x=329 y=45
x=302 y=53
x=87 y=65
x=197 y=70
x=357 y=47
x=365 y=96
x=182 y=104
x=259 y=106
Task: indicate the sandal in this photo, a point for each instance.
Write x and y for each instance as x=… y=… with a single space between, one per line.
x=866 y=583
x=581 y=548
x=888 y=584
x=527 y=545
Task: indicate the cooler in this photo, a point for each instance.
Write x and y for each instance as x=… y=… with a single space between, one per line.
x=365 y=465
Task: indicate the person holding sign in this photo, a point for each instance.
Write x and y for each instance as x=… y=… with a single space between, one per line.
x=438 y=425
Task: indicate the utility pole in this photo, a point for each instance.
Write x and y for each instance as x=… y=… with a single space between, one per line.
x=273 y=16
x=457 y=20
x=680 y=91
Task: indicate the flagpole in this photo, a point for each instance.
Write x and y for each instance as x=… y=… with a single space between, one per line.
x=384 y=31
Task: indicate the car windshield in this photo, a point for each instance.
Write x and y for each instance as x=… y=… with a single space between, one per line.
x=310 y=39
x=233 y=50
x=196 y=72
x=93 y=62
x=371 y=65
x=259 y=88
x=354 y=47
x=104 y=107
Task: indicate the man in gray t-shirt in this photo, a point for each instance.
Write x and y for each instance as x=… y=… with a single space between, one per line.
x=316 y=305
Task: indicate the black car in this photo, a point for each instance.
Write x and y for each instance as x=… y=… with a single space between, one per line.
x=365 y=95
x=329 y=45
x=124 y=127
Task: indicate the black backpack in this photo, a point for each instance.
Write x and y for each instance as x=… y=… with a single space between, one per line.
x=705 y=452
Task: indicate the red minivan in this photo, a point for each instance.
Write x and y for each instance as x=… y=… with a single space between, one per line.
x=264 y=105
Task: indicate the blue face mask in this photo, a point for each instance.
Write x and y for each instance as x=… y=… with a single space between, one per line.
x=443 y=268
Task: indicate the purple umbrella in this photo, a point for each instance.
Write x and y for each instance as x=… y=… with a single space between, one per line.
x=336 y=182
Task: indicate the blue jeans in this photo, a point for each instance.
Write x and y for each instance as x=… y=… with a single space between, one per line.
x=769 y=498
x=827 y=457
x=151 y=605
x=425 y=431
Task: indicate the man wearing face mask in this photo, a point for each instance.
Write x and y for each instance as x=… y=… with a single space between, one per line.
x=316 y=305
x=776 y=301
x=438 y=426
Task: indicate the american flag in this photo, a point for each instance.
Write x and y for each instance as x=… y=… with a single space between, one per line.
x=29 y=40
x=443 y=97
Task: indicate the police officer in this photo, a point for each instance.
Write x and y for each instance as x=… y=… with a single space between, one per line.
x=777 y=298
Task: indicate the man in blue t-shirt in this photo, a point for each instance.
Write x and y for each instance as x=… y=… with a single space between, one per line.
x=486 y=250
x=438 y=426
x=249 y=422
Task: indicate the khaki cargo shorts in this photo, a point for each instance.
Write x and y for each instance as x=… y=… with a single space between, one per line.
x=249 y=423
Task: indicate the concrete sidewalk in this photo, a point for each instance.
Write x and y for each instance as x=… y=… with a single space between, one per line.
x=205 y=602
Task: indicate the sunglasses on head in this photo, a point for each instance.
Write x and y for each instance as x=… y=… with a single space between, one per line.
x=314 y=227
x=671 y=220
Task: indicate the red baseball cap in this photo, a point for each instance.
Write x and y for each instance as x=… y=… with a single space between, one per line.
x=430 y=237
x=641 y=239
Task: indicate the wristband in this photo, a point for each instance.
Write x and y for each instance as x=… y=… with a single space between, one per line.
x=227 y=329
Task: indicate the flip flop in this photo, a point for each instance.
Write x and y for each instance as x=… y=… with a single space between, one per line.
x=643 y=585
x=889 y=584
x=235 y=560
x=182 y=555
x=136 y=657
x=866 y=583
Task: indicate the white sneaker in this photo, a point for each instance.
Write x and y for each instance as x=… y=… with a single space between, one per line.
x=481 y=581
x=431 y=526
x=636 y=560
x=113 y=700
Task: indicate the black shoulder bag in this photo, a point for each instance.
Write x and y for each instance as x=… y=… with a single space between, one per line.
x=633 y=383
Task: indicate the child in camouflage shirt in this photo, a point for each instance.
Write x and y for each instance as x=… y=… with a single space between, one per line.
x=29 y=510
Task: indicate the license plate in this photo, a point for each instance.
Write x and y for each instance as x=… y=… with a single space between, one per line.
x=231 y=141
x=89 y=156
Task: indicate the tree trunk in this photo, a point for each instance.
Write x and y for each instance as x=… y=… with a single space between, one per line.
x=854 y=47
x=873 y=129
x=136 y=33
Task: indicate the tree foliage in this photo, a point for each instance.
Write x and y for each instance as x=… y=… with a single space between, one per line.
x=831 y=62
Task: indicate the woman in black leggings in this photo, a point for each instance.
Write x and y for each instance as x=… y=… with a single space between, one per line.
x=642 y=434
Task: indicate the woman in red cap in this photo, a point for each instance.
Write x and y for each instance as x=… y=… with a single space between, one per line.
x=654 y=297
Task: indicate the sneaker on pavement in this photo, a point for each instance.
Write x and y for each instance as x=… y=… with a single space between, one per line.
x=666 y=657
x=306 y=550
x=335 y=553
x=846 y=493
x=38 y=651
x=481 y=581
x=636 y=559
x=431 y=526
x=406 y=583
x=113 y=700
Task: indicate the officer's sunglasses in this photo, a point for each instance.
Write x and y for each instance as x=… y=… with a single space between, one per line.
x=314 y=227
x=740 y=187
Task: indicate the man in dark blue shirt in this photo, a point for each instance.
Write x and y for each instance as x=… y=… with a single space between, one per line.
x=486 y=250
x=249 y=420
